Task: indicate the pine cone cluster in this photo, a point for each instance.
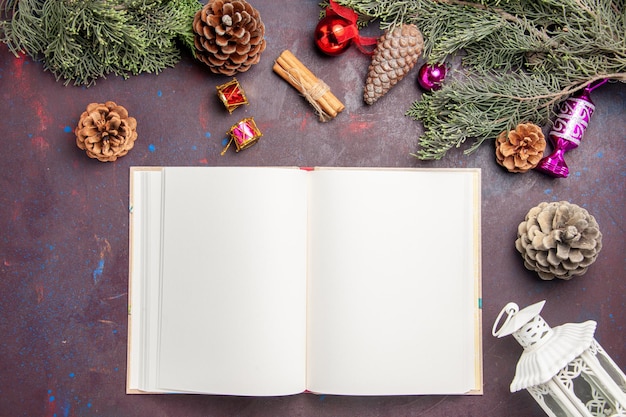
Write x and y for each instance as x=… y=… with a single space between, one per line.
x=105 y=131
x=521 y=149
x=558 y=240
x=229 y=36
x=396 y=53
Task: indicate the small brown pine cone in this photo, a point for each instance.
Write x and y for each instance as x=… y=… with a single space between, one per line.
x=558 y=240
x=105 y=131
x=229 y=36
x=396 y=53
x=521 y=149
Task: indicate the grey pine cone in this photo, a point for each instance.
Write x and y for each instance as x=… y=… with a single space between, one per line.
x=558 y=240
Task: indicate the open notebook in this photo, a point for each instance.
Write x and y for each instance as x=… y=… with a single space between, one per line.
x=264 y=281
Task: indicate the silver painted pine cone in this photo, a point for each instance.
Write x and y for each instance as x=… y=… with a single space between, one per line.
x=558 y=240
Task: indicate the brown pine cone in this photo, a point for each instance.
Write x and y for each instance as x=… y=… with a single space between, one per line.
x=229 y=36
x=105 y=131
x=396 y=53
x=558 y=240
x=521 y=149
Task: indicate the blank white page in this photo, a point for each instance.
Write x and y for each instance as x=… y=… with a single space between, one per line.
x=234 y=280
x=392 y=270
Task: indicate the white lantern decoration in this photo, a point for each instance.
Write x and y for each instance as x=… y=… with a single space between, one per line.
x=564 y=368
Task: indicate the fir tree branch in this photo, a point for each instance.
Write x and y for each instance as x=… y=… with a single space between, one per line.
x=479 y=109
x=82 y=40
x=534 y=54
x=483 y=7
x=558 y=96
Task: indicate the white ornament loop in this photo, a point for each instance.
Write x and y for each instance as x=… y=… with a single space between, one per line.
x=510 y=309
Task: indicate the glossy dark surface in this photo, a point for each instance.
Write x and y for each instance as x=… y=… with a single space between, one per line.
x=64 y=222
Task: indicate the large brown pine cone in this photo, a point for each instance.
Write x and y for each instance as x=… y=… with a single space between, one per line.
x=396 y=53
x=521 y=149
x=558 y=240
x=229 y=36
x=105 y=131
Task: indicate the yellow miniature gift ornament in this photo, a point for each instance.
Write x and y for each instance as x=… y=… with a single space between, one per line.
x=564 y=368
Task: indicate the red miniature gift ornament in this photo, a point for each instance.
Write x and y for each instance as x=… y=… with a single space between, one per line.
x=244 y=133
x=232 y=95
x=335 y=32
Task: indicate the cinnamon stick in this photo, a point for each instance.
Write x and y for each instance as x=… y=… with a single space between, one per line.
x=314 y=90
x=325 y=107
x=292 y=61
x=294 y=76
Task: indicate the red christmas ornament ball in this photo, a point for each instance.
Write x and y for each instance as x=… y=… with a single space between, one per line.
x=332 y=36
x=430 y=76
